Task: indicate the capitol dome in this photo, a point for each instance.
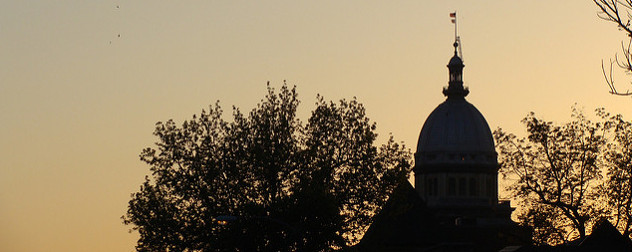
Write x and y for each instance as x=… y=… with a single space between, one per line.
x=455 y=126
x=456 y=163
x=456 y=132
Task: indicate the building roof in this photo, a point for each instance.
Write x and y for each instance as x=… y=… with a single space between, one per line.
x=455 y=61
x=455 y=133
x=404 y=222
x=605 y=237
x=455 y=125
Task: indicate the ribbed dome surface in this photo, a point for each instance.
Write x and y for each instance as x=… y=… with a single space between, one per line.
x=455 y=126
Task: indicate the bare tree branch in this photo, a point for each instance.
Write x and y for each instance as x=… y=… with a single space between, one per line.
x=612 y=11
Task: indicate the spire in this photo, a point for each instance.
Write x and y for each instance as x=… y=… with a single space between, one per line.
x=455 y=87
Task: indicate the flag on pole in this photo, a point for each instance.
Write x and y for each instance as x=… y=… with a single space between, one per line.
x=453 y=16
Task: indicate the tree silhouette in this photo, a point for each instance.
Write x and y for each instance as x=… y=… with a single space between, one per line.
x=265 y=181
x=567 y=176
x=555 y=172
x=616 y=189
x=618 y=12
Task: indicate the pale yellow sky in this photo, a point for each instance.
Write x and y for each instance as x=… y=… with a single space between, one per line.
x=78 y=102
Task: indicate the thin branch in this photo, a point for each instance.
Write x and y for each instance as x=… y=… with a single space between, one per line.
x=610 y=81
x=610 y=11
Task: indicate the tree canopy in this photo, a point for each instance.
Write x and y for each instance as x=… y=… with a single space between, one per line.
x=554 y=167
x=616 y=189
x=567 y=176
x=265 y=181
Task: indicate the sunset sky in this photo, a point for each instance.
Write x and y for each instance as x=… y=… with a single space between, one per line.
x=82 y=84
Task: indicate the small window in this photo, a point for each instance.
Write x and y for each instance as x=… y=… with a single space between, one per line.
x=490 y=187
x=429 y=187
x=462 y=186
x=432 y=187
x=473 y=187
x=451 y=186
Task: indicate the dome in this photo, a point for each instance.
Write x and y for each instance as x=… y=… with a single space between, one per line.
x=455 y=163
x=455 y=61
x=455 y=125
x=455 y=133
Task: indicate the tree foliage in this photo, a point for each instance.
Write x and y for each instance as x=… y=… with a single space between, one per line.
x=555 y=171
x=265 y=181
x=567 y=176
x=616 y=189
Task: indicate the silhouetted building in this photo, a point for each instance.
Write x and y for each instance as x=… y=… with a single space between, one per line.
x=454 y=205
x=604 y=237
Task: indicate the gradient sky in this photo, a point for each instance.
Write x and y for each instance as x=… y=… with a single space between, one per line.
x=78 y=102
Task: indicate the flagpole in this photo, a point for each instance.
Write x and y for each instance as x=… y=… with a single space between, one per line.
x=455 y=28
x=457 y=42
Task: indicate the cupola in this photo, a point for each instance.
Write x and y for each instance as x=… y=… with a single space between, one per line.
x=455 y=87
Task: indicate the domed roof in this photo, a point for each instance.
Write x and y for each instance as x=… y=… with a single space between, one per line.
x=455 y=126
x=455 y=135
x=455 y=61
